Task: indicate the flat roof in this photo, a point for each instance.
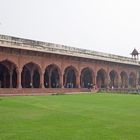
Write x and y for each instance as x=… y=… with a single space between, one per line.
x=27 y=44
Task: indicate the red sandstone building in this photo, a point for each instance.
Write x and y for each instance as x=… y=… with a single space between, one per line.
x=28 y=66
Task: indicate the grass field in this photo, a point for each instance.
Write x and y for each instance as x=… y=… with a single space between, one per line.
x=70 y=117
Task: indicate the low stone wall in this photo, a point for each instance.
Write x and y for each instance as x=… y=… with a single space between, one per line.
x=39 y=91
x=120 y=90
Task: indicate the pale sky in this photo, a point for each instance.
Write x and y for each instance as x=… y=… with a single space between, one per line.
x=111 y=26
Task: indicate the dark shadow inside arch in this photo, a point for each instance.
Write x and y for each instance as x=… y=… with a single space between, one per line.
x=30 y=76
x=46 y=79
x=4 y=77
x=113 y=79
x=69 y=78
x=52 y=77
x=14 y=78
x=132 y=80
x=25 y=78
x=8 y=74
x=86 y=78
x=124 y=80
x=101 y=79
x=55 y=79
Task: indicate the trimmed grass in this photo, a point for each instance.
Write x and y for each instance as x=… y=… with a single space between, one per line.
x=70 y=117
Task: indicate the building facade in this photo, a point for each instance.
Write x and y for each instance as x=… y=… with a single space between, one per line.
x=28 y=66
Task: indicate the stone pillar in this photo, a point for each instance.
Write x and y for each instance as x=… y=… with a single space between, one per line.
x=119 y=81
x=31 y=83
x=19 y=79
x=95 y=79
x=49 y=79
x=42 y=80
x=61 y=81
x=78 y=81
x=65 y=80
x=108 y=80
x=128 y=82
x=137 y=80
x=11 y=75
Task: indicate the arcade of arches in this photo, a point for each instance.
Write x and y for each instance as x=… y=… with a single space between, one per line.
x=31 y=76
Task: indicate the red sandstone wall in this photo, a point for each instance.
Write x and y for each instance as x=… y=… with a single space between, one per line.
x=20 y=58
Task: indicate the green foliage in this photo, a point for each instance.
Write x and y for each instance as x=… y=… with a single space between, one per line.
x=70 y=117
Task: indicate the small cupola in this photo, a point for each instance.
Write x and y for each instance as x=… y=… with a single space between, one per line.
x=135 y=54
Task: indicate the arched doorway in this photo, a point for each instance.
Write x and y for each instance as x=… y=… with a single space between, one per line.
x=52 y=77
x=69 y=77
x=86 y=78
x=132 y=80
x=124 y=79
x=101 y=78
x=113 y=79
x=4 y=77
x=30 y=76
x=8 y=74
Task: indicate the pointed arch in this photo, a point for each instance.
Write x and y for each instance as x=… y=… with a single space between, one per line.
x=69 y=78
x=8 y=74
x=113 y=79
x=87 y=77
x=124 y=79
x=132 y=80
x=9 y=64
x=30 y=75
x=52 y=76
x=101 y=78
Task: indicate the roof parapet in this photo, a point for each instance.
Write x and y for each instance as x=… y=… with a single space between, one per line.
x=27 y=44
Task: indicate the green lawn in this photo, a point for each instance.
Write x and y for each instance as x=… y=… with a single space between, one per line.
x=70 y=117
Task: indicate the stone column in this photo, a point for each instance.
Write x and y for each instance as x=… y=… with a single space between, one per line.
x=49 y=79
x=119 y=81
x=19 y=79
x=128 y=81
x=31 y=83
x=61 y=81
x=137 y=80
x=42 y=80
x=11 y=75
x=65 y=80
x=95 y=79
x=107 y=81
x=78 y=81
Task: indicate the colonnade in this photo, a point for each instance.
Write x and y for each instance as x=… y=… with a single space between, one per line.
x=31 y=76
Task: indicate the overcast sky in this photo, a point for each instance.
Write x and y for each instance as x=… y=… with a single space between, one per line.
x=111 y=26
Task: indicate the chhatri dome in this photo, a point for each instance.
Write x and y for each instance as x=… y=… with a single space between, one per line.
x=135 y=54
